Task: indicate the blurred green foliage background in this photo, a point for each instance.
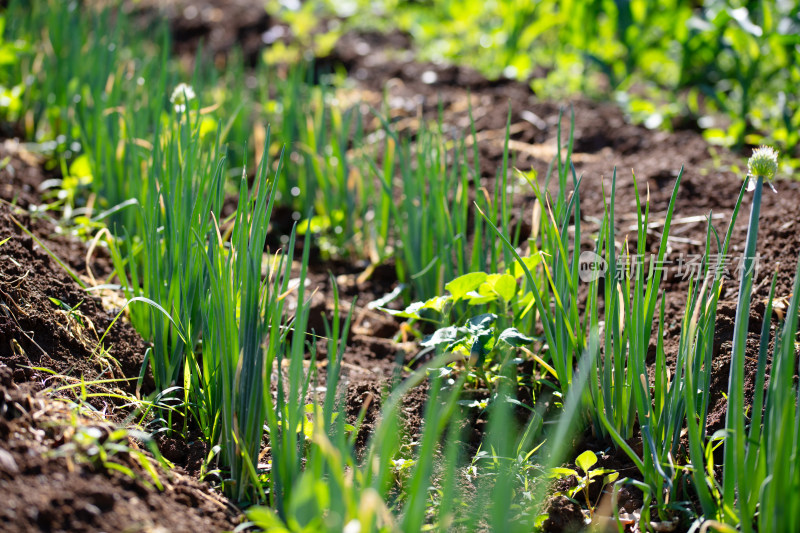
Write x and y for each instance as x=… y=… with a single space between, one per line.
x=727 y=67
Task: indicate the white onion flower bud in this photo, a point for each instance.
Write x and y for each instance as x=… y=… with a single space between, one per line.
x=762 y=164
x=181 y=95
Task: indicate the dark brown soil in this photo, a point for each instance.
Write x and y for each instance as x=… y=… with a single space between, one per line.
x=21 y=182
x=52 y=480
x=37 y=332
x=368 y=396
x=216 y=25
x=563 y=515
x=22 y=175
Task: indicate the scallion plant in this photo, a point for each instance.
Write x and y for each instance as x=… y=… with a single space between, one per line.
x=160 y=259
x=762 y=167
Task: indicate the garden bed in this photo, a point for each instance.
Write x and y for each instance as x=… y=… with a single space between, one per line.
x=46 y=476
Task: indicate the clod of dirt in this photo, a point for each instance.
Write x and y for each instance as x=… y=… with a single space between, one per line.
x=368 y=396
x=564 y=516
x=189 y=454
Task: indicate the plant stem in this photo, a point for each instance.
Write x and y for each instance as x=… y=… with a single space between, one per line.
x=733 y=467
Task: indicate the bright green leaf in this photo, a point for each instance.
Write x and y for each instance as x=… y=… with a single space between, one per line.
x=413 y=311
x=460 y=286
x=503 y=285
x=476 y=298
x=516 y=269
x=81 y=169
x=611 y=478
x=560 y=472
x=586 y=460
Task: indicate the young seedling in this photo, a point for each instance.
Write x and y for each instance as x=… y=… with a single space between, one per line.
x=107 y=448
x=586 y=475
x=72 y=312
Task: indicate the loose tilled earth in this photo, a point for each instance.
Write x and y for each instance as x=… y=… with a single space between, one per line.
x=46 y=481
